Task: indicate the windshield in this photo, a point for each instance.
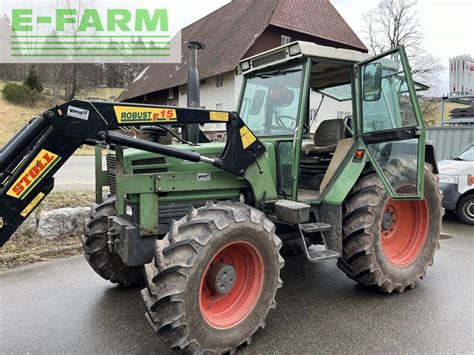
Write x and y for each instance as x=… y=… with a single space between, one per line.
x=468 y=155
x=271 y=101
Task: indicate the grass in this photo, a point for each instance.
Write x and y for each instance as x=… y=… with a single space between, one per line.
x=13 y=117
x=28 y=248
x=57 y=200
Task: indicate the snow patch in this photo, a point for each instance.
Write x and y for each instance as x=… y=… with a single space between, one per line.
x=141 y=74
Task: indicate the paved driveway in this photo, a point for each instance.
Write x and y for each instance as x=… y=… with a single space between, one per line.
x=77 y=174
x=63 y=307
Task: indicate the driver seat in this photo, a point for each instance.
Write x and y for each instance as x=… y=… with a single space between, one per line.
x=327 y=136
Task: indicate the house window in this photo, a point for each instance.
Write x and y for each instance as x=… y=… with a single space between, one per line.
x=219 y=81
x=342 y=114
x=285 y=40
x=171 y=94
x=219 y=107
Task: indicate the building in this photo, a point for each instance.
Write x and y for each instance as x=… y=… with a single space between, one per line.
x=461 y=75
x=238 y=30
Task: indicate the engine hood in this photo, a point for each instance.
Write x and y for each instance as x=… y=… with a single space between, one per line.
x=455 y=167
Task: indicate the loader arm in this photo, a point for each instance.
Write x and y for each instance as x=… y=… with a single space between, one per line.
x=30 y=159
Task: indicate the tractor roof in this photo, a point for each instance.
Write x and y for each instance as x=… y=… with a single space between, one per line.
x=297 y=50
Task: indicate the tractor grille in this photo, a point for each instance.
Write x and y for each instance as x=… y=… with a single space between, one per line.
x=166 y=211
x=175 y=210
x=111 y=178
x=144 y=166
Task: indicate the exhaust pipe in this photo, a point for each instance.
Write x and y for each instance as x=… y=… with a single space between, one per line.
x=191 y=131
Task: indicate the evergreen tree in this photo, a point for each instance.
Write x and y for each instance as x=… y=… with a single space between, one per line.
x=33 y=80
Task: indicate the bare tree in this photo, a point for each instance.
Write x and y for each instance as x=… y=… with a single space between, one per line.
x=393 y=23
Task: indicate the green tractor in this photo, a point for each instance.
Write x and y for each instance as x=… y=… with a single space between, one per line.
x=204 y=225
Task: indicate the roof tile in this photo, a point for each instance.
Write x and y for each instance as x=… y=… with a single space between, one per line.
x=231 y=31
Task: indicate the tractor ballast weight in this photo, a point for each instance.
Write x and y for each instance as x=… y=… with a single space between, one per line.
x=205 y=224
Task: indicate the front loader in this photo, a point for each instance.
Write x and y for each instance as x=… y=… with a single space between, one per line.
x=204 y=225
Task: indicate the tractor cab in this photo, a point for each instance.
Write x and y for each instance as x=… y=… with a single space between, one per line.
x=324 y=109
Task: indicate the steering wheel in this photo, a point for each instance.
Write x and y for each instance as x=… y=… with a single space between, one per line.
x=280 y=122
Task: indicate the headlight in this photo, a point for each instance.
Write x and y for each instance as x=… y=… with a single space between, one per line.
x=294 y=49
x=449 y=179
x=245 y=65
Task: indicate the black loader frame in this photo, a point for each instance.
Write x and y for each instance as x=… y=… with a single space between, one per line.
x=30 y=159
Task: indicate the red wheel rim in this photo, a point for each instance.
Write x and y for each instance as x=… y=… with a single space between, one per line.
x=404 y=230
x=224 y=311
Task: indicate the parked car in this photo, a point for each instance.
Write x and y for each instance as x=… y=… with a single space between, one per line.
x=456 y=180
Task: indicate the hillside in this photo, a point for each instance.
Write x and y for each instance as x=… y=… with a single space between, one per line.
x=13 y=117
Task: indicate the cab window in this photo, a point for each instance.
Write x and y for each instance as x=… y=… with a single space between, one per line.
x=390 y=107
x=271 y=101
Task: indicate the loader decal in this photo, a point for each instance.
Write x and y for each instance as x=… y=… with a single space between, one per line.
x=219 y=116
x=38 y=168
x=127 y=114
x=32 y=205
x=247 y=137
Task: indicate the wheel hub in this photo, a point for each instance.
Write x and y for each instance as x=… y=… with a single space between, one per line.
x=469 y=209
x=404 y=230
x=231 y=284
x=387 y=220
x=221 y=278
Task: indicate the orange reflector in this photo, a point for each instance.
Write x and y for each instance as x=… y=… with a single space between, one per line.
x=359 y=154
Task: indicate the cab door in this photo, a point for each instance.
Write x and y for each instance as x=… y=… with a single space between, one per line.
x=390 y=124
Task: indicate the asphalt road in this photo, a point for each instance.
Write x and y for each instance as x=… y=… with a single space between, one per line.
x=77 y=174
x=63 y=307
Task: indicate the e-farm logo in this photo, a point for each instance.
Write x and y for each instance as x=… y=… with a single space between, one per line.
x=48 y=31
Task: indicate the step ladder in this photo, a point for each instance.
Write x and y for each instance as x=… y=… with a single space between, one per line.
x=312 y=252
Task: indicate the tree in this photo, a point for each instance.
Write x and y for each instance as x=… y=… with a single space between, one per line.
x=393 y=23
x=33 y=80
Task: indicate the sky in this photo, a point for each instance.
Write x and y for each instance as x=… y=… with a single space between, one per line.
x=448 y=24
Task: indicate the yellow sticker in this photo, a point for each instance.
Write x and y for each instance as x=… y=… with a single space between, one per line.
x=247 y=137
x=32 y=205
x=219 y=116
x=38 y=168
x=130 y=114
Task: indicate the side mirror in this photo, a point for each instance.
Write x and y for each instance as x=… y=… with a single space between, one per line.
x=257 y=102
x=372 y=88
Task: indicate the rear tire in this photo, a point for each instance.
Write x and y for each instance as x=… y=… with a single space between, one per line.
x=182 y=308
x=465 y=209
x=387 y=243
x=106 y=264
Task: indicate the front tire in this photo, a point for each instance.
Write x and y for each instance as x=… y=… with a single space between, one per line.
x=389 y=243
x=213 y=279
x=94 y=241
